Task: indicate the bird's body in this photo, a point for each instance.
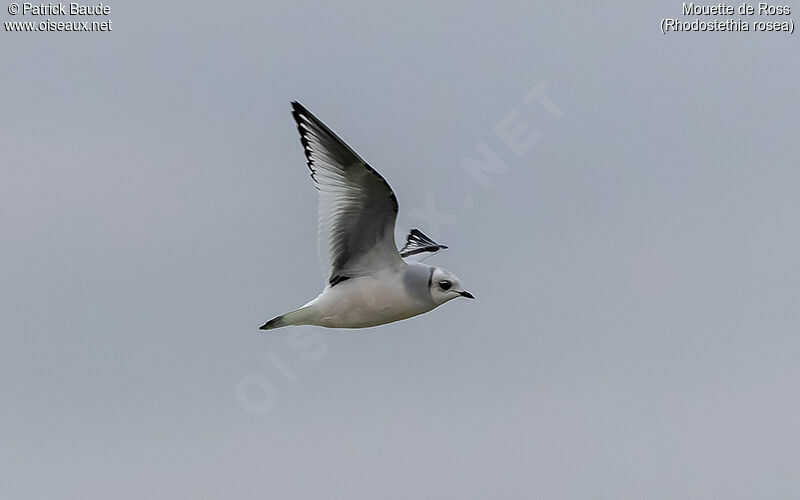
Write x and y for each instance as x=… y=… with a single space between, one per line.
x=370 y=282
x=386 y=296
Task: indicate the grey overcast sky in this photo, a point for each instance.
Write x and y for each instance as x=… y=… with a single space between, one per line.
x=633 y=253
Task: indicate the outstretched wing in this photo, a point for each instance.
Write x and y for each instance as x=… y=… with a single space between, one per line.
x=417 y=242
x=357 y=208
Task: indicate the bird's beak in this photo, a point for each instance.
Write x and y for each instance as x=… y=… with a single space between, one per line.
x=466 y=294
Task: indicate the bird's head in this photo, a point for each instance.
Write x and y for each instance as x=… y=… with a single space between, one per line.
x=445 y=286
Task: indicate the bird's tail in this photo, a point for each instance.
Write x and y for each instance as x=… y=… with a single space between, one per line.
x=296 y=317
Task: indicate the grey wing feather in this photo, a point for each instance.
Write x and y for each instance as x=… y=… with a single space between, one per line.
x=357 y=208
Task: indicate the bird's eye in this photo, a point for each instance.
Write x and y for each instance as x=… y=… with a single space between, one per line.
x=445 y=285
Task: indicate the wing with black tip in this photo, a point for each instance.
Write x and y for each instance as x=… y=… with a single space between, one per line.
x=417 y=242
x=357 y=208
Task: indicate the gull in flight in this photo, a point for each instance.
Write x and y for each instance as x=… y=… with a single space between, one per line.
x=369 y=282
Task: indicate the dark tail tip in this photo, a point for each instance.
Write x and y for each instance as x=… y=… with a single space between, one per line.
x=273 y=323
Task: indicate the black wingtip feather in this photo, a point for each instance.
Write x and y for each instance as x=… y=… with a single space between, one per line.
x=297 y=110
x=417 y=242
x=309 y=118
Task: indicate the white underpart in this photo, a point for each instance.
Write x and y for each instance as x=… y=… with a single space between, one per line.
x=365 y=301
